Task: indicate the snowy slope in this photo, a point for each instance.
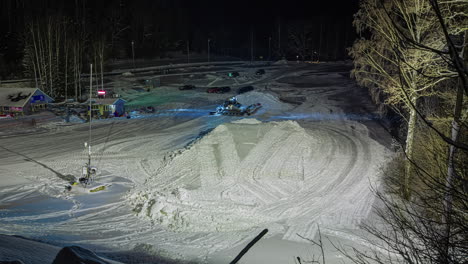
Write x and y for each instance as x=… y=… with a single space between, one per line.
x=188 y=186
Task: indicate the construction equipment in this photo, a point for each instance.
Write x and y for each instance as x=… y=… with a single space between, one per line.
x=232 y=107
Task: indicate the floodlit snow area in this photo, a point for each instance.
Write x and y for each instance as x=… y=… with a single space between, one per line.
x=182 y=184
x=249 y=174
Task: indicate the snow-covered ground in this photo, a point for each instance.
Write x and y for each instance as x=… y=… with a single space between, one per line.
x=186 y=185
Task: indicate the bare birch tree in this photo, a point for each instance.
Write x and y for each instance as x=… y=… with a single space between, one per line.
x=387 y=65
x=53 y=47
x=299 y=38
x=432 y=226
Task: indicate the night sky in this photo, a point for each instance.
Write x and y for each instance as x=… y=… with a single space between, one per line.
x=160 y=26
x=263 y=17
x=245 y=12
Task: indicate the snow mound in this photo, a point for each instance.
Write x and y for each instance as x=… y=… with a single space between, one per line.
x=225 y=181
x=250 y=174
x=251 y=121
x=281 y=62
x=269 y=102
x=127 y=74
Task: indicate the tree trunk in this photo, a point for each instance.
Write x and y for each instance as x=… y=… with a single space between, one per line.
x=35 y=71
x=337 y=41
x=101 y=58
x=320 y=41
x=37 y=56
x=65 y=43
x=44 y=80
x=75 y=69
x=96 y=68
x=409 y=147
x=35 y=60
x=80 y=63
x=49 y=49
x=451 y=174
x=58 y=35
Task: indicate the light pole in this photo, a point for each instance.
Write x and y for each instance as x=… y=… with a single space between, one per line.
x=209 y=50
x=251 y=46
x=269 y=49
x=188 y=52
x=133 y=54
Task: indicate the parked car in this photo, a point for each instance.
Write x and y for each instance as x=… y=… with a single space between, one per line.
x=213 y=90
x=223 y=89
x=233 y=74
x=187 y=87
x=6 y=115
x=245 y=89
x=260 y=72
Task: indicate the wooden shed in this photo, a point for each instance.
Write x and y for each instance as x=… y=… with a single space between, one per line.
x=23 y=101
x=106 y=107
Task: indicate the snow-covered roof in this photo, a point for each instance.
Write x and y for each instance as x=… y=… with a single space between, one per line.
x=18 y=97
x=106 y=101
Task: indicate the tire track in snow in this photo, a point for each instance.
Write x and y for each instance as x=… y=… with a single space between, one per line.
x=338 y=186
x=271 y=173
x=255 y=161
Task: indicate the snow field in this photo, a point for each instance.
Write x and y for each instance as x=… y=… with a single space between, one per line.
x=185 y=193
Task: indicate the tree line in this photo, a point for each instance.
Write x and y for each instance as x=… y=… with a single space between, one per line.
x=53 y=42
x=412 y=57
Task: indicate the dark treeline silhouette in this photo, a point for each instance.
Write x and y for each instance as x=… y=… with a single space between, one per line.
x=243 y=29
